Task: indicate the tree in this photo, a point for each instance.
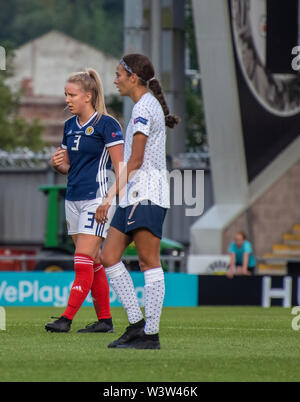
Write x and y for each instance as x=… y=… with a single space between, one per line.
x=97 y=22
x=15 y=131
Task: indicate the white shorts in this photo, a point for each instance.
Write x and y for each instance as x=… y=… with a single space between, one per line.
x=80 y=217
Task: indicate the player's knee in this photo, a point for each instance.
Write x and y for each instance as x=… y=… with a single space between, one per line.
x=107 y=260
x=144 y=264
x=97 y=259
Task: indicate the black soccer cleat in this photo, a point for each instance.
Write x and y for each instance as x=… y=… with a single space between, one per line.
x=132 y=332
x=103 y=325
x=143 y=342
x=62 y=324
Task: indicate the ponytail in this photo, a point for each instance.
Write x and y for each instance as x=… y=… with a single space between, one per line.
x=154 y=86
x=98 y=98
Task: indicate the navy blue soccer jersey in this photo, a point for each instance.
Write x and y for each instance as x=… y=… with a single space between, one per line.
x=87 y=147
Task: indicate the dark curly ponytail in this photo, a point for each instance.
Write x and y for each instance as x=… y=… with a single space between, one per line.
x=141 y=66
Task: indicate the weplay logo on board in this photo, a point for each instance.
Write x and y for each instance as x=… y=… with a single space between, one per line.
x=53 y=289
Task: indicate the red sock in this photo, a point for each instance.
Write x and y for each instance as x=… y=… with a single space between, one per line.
x=100 y=292
x=84 y=273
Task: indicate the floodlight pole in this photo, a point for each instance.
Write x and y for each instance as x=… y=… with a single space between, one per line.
x=156 y=29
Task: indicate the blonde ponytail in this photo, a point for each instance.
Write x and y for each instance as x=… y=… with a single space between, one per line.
x=98 y=99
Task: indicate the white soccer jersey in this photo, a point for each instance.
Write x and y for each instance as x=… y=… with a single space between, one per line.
x=150 y=181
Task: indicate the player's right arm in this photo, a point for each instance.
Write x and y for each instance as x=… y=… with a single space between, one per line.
x=230 y=272
x=60 y=161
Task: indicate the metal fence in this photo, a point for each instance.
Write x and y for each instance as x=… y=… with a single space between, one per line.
x=173 y=263
x=25 y=258
x=23 y=207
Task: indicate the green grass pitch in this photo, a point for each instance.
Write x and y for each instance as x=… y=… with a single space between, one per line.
x=198 y=344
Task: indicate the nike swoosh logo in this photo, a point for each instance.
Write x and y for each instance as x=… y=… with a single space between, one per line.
x=129 y=223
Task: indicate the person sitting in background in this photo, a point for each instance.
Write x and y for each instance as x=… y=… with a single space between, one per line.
x=241 y=256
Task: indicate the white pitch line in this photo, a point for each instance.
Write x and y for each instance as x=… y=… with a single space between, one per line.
x=230 y=329
x=201 y=328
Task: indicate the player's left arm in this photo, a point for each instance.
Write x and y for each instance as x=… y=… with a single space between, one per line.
x=247 y=248
x=116 y=155
x=134 y=163
x=137 y=153
x=245 y=264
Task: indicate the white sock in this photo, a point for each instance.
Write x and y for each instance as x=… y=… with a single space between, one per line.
x=154 y=296
x=122 y=284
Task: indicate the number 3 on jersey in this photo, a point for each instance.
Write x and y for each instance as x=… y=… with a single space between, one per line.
x=76 y=143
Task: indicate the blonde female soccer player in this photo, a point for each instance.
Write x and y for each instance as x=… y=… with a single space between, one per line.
x=143 y=207
x=92 y=141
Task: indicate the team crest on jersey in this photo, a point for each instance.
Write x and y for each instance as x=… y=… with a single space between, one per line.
x=89 y=130
x=140 y=120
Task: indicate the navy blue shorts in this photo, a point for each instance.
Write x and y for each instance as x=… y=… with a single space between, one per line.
x=143 y=214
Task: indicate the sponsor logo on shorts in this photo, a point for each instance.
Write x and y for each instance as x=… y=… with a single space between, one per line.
x=130 y=223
